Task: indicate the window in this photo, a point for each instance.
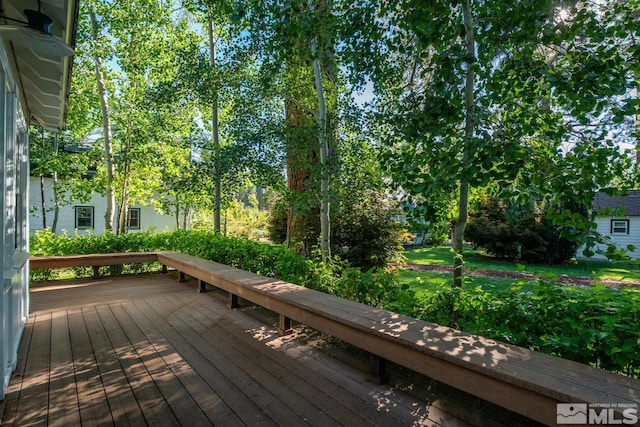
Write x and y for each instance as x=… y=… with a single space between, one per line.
x=133 y=219
x=84 y=217
x=619 y=226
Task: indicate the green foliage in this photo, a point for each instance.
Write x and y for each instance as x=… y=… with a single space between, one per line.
x=597 y=326
x=548 y=91
x=523 y=233
x=368 y=237
x=375 y=286
x=365 y=235
x=277 y=223
x=430 y=233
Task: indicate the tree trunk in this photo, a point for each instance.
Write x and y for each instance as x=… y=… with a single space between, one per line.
x=123 y=212
x=325 y=222
x=302 y=221
x=106 y=122
x=463 y=202
x=56 y=203
x=185 y=215
x=43 y=203
x=54 y=187
x=124 y=209
x=215 y=134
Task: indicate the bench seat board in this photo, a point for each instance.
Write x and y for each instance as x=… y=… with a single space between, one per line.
x=93 y=260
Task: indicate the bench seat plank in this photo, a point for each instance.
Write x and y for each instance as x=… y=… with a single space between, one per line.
x=92 y=260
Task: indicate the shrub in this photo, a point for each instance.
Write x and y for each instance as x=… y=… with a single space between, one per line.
x=597 y=326
x=365 y=235
x=527 y=236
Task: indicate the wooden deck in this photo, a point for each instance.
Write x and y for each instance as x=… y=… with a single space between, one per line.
x=147 y=350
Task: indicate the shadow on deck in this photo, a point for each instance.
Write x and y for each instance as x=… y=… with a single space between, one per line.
x=146 y=350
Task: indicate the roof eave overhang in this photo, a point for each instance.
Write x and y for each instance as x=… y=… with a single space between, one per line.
x=43 y=81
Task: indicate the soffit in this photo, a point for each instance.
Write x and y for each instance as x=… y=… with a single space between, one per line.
x=43 y=80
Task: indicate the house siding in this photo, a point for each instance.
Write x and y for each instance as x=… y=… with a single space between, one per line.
x=14 y=294
x=150 y=219
x=620 y=240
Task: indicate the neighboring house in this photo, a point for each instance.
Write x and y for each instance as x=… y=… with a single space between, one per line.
x=88 y=217
x=35 y=72
x=619 y=219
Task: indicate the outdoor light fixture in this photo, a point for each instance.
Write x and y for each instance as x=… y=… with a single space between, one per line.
x=36 y=35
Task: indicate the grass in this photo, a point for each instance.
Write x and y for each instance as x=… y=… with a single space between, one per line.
x=475 y=260
x=424 y=283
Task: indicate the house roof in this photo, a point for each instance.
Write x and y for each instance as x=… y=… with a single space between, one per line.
x=630 y=202
x=43 y=80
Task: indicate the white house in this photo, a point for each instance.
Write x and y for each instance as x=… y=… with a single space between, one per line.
x=35 y=71
x=619 y=219
x=88 y=217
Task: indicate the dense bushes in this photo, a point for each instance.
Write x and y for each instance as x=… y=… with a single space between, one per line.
x=525 y=235
x=273 y=261
x=376 y=287
x=363 y=234
x=597 y=326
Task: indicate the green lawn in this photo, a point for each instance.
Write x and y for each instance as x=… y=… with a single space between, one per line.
x=475 y=259
x=425 y=282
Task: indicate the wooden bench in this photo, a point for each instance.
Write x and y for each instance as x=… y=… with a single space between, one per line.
x=526 y=382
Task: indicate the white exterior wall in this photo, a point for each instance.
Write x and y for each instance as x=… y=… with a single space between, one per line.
x=14 y=275
x=620 y=240
x=149 y=217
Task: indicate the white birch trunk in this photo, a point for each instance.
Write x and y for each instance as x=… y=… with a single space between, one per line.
x=106 y=123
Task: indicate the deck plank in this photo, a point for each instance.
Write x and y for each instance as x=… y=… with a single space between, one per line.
x=35 y=386
x=291 y=394
x=63 y=394
x=211 y=404
x=268 y=406
x=120 y=397
x=12 y=397
x=315 y=387
x=136 y=358
x=93 y=404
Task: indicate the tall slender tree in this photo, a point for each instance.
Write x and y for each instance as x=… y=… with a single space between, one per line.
x=96 y=53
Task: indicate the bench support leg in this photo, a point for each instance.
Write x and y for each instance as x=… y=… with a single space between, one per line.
x=164 y=269
x=182 y=277
x=285 y=325
x=96 y=272
x=202 y=286
x=232 y=302
x=377 y=369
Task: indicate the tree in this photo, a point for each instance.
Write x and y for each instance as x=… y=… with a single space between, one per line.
x=56 y=156
x=294 y=42
x=140 y=43
x=97 y=54
x=522 y=104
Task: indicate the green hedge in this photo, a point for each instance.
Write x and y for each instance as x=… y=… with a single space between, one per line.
x=593 y=325
x=272 y=261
